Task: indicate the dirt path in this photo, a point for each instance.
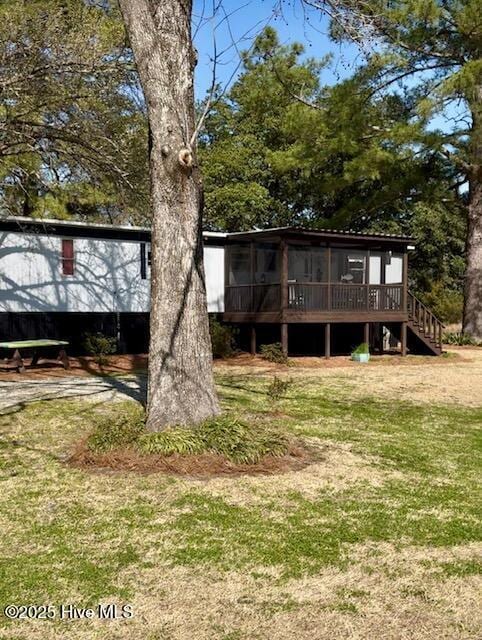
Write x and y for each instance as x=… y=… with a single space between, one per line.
x=14 y=393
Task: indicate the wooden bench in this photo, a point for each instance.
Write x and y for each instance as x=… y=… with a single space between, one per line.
x=35 y=345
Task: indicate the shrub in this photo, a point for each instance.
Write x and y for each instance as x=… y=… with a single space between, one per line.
x=273 y=353
x=224 y=435
x=240 y=442
x=100 y=346
x=277 y=388
x=362 y=348
x=118 y=429
x=222 y=339
x=446 y=304
x=461 y=339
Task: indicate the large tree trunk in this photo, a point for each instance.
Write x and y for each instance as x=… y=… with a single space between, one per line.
x=181 y=387
x=473 y=278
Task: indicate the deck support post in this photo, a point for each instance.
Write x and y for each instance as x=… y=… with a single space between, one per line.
x=403 y=335
x=366 y=333
x=284 y=338
x=253 y=340
x=327 y=340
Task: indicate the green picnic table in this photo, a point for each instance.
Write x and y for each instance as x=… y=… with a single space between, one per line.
x=36 y=345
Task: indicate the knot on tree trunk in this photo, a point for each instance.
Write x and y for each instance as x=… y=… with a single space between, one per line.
x=185 y=159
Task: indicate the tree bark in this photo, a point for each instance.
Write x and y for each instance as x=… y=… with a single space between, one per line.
x=472 y=324
x=181 y=386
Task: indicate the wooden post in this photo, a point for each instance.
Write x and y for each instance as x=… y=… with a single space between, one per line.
x=328 y=277
x=253 y=340
x=327 y=340
x=284 y=280
x=252 y=268
x=284 y=338
x=405 y=281
x=18 y=361
x=64 y=359
x=403 y=334
x=366 y=334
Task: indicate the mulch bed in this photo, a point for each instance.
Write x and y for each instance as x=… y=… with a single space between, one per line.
x=197 y=466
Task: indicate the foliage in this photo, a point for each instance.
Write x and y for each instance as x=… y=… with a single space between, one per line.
x=362 y=348
x=225 y=435
x=170 y=441
x=222 y=339
x=355 y=159
x=240 y=442
x=273 y=352
x=100 y=346
x=73 y=136
x=235 y=440
x=117 y=429
x=461 y=339
x=446 y=304
x=278 y=388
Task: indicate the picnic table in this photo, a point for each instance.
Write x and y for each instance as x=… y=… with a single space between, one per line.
x=36 y=346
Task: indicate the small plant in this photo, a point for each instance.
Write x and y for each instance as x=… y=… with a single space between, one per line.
x=362 y=348
x=273 y=353
x=361 y=353
x=460 y=339
x=278 y=388
x=222 y=339
x=100 y=346
x=171 y=441
x=116 y=430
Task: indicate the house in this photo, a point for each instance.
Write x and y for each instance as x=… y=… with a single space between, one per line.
x=315 y=291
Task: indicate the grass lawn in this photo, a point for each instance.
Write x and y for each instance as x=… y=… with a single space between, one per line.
x=379 y=539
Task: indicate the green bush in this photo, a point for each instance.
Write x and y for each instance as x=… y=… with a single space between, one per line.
x=224 y=435
x=362 y=348
x=100 y=346
x=277 y=388
x=273 y=353
x=239 y=442
x=222 y=339
x=170 y=441
x=461 y=339
x=118 y=429
x=446 y=304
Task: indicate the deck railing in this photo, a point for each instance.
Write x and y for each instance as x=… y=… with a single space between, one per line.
x=311 y=296
x=248 y=298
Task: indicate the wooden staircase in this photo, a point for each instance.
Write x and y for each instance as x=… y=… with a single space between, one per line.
x=423 y=327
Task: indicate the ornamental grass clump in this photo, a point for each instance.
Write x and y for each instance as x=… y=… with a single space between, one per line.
x=116 y=430
x=226 y=436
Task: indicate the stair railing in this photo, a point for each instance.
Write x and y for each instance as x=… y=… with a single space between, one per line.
x=428 y=323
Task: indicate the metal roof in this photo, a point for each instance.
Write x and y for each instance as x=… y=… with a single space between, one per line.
x=132 y=229
x=326 y=233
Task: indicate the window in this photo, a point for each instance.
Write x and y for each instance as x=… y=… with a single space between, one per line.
x=239 y=264
x=267 y=263
x=145 y=260
x=307 y=264
x=348 y=266
x=67 y=257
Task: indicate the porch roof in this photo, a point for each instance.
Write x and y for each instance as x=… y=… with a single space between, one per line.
x=278 y=233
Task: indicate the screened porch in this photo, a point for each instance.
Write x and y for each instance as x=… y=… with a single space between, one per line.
x=265 y=277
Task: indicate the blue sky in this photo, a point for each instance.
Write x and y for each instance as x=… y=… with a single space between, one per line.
x=239 y=22
x=236 y=23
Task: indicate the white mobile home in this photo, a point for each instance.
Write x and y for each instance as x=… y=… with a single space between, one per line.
x=66 y=278
x=316 y=291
